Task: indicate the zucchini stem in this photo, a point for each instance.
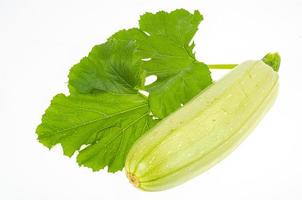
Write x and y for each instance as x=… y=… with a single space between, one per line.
x=273 y=60
x=222 y=66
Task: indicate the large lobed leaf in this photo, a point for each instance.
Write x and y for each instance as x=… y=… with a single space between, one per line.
x=105 y=112
x=164 y=43
x=179 y=76
x=105 y=124
x=112 y=67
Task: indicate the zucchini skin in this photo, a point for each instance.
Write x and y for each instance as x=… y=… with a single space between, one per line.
x=205 y=130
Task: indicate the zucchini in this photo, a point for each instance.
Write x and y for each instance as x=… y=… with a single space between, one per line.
x=206 y=129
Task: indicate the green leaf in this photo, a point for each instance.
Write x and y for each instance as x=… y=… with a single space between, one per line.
x=178 y=26
x=133 y=34
x=166 y=95
x=170 y=57
x=111 y=67
x=105 y=113
x=102 y=127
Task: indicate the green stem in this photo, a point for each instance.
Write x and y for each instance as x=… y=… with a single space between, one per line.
x=222 y=66
x=273 y=60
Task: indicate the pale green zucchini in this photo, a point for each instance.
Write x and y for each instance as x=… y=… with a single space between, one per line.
x=205 y=130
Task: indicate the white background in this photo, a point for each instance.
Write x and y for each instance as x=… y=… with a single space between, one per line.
x=41 y=40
